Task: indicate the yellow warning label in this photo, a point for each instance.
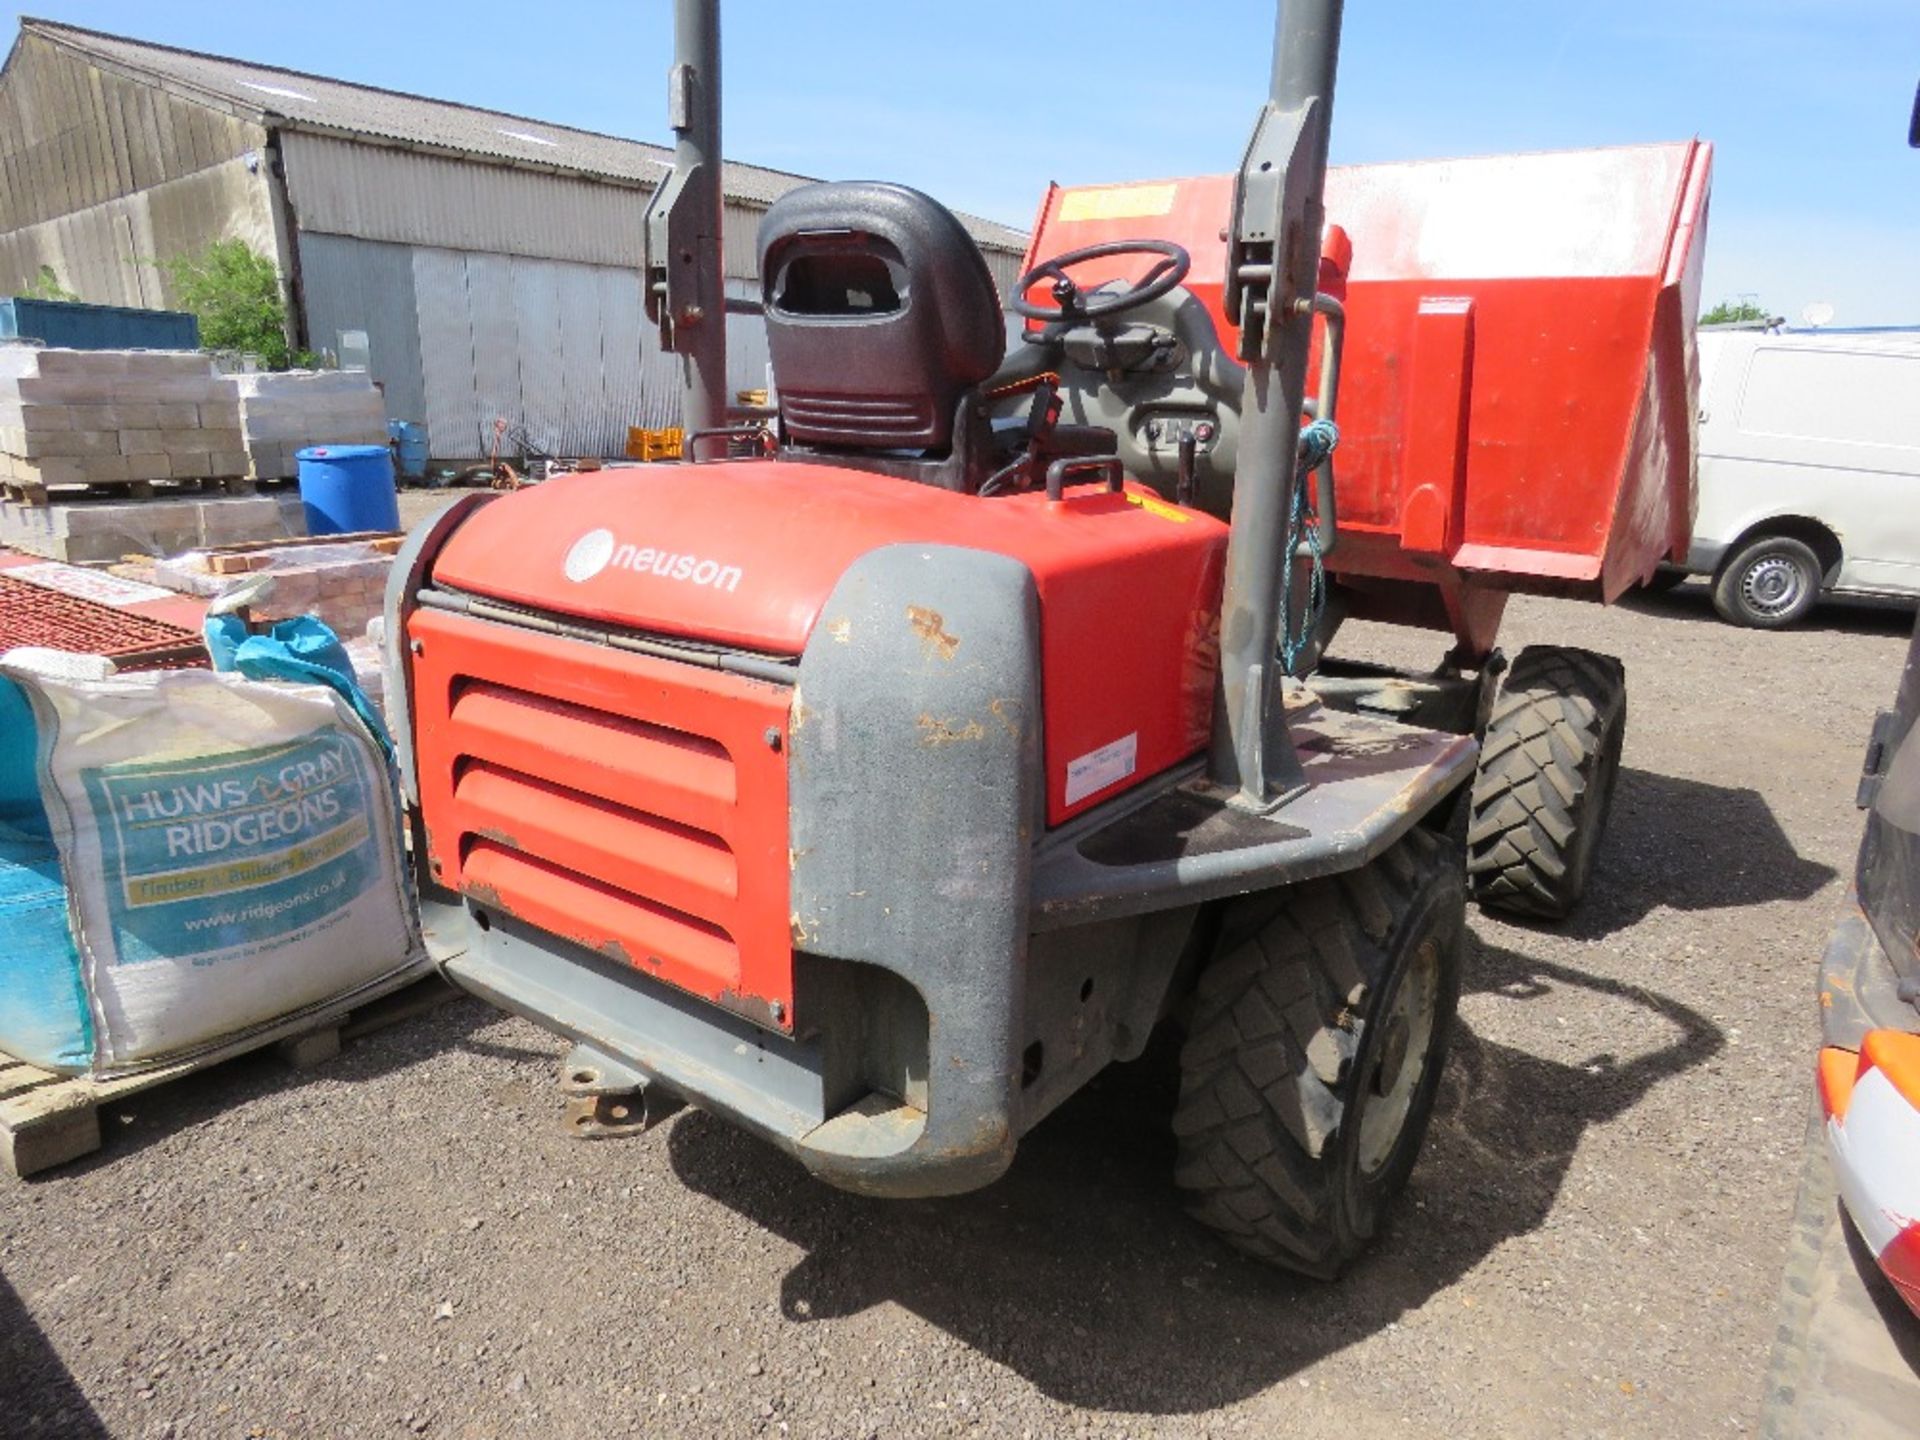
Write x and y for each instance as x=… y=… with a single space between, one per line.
x=1157 y=507
x=1120 y=202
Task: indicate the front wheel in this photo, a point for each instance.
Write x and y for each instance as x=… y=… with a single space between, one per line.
x=1770 y=583
x=1544 y=786
x=1318 y=1036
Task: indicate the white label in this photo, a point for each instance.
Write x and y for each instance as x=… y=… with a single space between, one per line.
x=94 y=585
x=1100 y=768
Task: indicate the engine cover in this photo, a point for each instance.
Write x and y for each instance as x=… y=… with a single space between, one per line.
x=744 y=555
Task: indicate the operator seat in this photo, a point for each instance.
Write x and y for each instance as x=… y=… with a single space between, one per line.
x=882 y=322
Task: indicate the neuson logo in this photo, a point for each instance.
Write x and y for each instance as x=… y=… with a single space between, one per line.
x=597 y=549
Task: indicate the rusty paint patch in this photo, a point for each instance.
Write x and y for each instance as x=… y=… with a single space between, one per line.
x=613 y=950
x=768 y=1014
x=499 y=837
x=485 y=894
x=1000 y=709
x=932 y=630
x=797 y=928
x=840 y=631
x=936 y=732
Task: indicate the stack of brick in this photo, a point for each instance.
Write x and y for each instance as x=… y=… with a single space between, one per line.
x=114 y=417
x=344 y=582
x=281 y=414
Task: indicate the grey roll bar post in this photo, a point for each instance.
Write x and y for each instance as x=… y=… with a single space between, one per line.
x=1273 y=269
x=682 y=267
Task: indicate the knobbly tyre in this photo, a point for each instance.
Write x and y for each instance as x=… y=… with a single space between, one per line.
x=876 y=787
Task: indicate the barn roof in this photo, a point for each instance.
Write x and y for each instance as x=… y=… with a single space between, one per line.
x=277 y=97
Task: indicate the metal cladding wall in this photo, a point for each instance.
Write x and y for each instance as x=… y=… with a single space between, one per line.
x=499 y=291
x=414 y=197
x=100 y=175
x=491 y=291
x=460 y=338
x=352 y=285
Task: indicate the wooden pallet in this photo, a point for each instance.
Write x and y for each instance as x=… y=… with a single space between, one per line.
x=37 y=495
x=47 y=1119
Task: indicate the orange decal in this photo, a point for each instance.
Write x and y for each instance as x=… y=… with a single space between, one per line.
x=1838 y=1068
x=1895 y=1054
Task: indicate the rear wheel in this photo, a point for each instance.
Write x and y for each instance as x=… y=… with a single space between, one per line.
x=1545 y=782
x=1309 y=1071
x=1663 y=581
x=1769 y=583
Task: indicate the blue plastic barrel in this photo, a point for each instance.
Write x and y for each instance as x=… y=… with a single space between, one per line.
x=348 y=487
x=411 y=441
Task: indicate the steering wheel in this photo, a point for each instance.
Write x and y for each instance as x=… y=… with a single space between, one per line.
x=1073 y=307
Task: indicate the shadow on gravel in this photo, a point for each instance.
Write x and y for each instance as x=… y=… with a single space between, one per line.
x=136 y=1121
x=1080 y=1271
x=37 y=1394
x=1687 y=845
x=1837 y=615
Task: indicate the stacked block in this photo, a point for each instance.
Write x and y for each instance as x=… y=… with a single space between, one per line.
x=281 y=414
x=114 y=417
x=107 y=530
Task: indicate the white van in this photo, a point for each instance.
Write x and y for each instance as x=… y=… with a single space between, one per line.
x=1809 y=472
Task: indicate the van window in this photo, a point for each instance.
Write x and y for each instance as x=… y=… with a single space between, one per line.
x=1833 y=396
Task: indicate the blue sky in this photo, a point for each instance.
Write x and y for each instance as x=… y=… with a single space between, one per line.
x=1816 y=196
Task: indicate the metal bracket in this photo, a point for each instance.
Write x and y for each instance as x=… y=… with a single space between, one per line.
x=607 y=1098
x=1273 y=183
x=671 y=242
x=1873 y=769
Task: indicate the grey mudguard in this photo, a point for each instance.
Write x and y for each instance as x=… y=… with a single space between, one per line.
x=914 y=784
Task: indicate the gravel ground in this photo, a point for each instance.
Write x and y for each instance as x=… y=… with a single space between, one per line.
x=403 y=1243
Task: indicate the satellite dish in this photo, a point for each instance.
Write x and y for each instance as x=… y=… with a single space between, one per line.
x=1817 y=314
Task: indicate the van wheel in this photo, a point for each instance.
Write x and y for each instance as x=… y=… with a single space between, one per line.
x=1310 y=1068
x=1770 y=583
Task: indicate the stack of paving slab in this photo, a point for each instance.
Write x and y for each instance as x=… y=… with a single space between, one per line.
x=120 y=419
x=285 y=412
x=100 y=531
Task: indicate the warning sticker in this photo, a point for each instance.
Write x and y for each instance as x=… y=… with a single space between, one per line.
x=1118 y=202
x=1097 y=769
x=1156 y=507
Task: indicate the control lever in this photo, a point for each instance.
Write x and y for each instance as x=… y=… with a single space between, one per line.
x=1183 y=480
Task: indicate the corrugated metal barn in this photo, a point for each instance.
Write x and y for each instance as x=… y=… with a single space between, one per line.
x=491 y=260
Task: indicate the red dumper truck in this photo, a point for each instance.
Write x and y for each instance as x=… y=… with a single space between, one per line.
x=876 y=778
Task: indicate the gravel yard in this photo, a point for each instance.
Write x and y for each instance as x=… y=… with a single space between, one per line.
x=402 y=1242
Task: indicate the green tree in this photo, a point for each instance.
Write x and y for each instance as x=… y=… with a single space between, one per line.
x=46 y=286
x=1734 y=312
x=235 y=292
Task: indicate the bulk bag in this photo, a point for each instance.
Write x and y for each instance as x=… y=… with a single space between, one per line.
x=230 y=856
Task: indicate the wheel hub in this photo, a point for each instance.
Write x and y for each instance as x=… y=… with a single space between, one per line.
x=1393 y=1055
x=1772 y=585
x=1399 y=1058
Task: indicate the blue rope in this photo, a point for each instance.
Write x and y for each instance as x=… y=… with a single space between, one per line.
x=1317 y=442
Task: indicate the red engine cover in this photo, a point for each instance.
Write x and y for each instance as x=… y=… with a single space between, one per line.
x=746 y=554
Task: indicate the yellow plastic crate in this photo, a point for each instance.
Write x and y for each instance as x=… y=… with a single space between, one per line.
x=643 y=444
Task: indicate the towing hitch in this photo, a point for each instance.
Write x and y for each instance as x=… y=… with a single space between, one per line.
x=606 y=1099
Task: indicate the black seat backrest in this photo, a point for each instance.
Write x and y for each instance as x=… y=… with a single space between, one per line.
x=881 y=314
